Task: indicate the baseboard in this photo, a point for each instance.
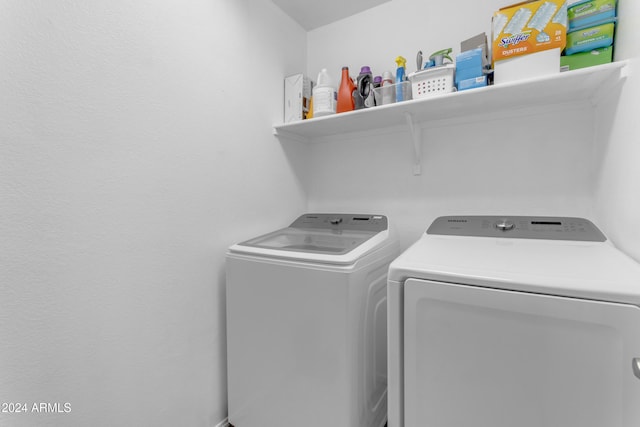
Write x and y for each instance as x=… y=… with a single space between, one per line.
x=224 y=423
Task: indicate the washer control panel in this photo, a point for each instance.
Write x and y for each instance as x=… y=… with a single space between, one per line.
x=518 y=227
x=357 y=222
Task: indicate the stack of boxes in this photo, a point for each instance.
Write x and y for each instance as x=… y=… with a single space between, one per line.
x=472 y=63
x=528 y=38
x=297 y=97
x=590 y=33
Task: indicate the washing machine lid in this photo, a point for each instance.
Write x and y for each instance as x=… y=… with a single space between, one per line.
x=325 y=238
x=591 y=269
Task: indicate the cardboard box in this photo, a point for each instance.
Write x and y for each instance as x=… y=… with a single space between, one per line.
x=479 y=41
x=588 y=38
x=529 y=27
x=587 y=12
x=297 y=95
x=604 y=55
x=472 y=83
x=469 y=65
x=527 y=66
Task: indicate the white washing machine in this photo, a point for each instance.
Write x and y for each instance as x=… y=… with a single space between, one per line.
x=514 y=321
x=306 y=324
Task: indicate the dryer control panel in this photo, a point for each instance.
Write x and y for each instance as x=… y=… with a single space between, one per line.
x=518 y=227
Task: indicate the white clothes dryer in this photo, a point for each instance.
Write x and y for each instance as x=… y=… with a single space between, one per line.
x=306 y=323
x=514 y=321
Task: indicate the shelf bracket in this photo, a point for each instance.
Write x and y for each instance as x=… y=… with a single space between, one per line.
x=625 y=71
x=289 y=136
x=416 y=139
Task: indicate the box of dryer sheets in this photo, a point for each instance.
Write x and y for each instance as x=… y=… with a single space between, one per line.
x=297 y=95
x=529 y=27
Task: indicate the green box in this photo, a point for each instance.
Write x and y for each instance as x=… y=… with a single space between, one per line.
x=603 y=55
x=587 y=12
x=585 y=39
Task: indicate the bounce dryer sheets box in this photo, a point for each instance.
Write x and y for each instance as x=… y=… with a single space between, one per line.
x=529 y=27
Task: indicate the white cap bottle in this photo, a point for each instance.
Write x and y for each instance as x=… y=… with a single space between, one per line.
x=388 y=93
x=324 y=95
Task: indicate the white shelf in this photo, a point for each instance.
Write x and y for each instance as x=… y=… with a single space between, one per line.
x=583 y=85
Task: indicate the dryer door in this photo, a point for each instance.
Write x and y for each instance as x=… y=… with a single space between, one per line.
x=492 y=358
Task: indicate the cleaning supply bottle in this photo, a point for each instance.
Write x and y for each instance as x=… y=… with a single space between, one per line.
x=345 y=92
x=377 y=97
x=400 y=77
x=388 y=94
x=439 y=56
x=324 y=95
x=363 y=96
x=366 y=87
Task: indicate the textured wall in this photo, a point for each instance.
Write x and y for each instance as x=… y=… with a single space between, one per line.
x=135 y=146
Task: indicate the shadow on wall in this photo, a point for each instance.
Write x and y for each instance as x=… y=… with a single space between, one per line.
x=222 y=321
x=297 y=155
x=606 y=116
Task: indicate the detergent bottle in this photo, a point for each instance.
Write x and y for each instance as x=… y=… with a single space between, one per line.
x=377 y=96
x=400 y=77
x=365 y=87
x=324 y=95
x=345 y=92
x=363 y=97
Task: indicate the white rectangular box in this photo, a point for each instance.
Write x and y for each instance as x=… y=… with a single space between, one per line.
x=527 y=66
x=297 y=95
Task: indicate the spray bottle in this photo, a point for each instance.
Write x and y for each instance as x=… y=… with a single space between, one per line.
x=400 y=77
x=439 y=56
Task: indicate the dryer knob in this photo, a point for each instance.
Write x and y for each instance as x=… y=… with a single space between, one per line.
x=335 y=221
x=505 y=225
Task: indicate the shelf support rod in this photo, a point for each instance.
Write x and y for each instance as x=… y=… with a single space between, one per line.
x=416 y=138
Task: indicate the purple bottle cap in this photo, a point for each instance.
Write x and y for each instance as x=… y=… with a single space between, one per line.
x=365 y=70
x=377 y=79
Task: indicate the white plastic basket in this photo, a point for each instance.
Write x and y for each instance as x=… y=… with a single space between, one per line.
x=432 y=81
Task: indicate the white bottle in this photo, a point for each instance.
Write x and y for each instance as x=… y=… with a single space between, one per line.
x=388 y=92
x=324 y=95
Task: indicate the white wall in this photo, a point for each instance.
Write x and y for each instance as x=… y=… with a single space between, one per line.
x=618 y=138
x=131 y=157
x=466 y=169
x=377 y=36
x=135 y=146
x=541 y=164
